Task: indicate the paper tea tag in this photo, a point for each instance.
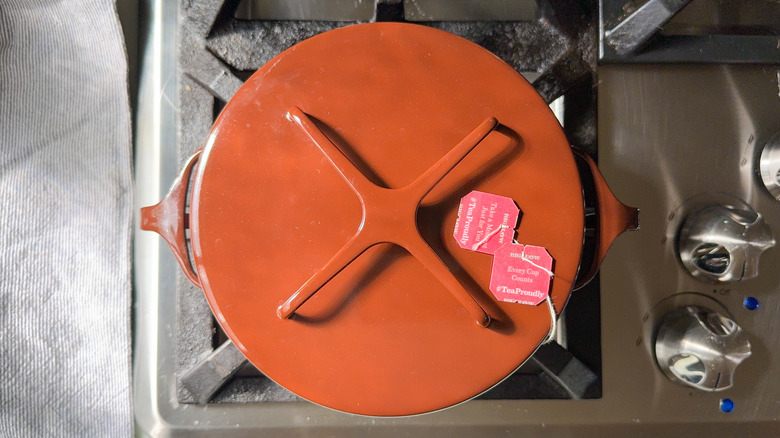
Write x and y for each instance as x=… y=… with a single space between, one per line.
x=521 y=274
x=485 y=222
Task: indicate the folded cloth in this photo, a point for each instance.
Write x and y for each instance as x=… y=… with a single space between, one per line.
x=65 y=220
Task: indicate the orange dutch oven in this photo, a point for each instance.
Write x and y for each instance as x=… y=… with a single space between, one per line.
x=322 y=210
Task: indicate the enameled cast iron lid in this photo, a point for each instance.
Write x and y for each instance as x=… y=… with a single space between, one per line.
x=392 y=106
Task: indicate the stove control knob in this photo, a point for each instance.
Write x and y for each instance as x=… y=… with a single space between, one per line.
x=700 y=348
x=722 y=243
x=769 y=165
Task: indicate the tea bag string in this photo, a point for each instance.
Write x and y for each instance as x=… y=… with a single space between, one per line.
x=549 y=272
x=488 y=236
x=553 y=321
x=548 y=300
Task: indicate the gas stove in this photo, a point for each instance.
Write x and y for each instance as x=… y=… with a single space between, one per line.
x=683 y=116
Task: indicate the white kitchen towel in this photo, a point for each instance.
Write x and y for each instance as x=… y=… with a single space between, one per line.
x=65 y=220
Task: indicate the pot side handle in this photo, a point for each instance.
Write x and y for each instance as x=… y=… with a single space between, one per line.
x=614 y=218
x=169 y=219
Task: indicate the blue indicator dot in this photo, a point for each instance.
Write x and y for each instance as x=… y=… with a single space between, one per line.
x=726 y=405
x=751 y=303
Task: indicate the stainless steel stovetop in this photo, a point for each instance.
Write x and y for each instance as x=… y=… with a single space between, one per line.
x=682 y=120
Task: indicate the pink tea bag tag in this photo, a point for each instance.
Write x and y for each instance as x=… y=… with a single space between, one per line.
x=521 y=274
x=485 y=222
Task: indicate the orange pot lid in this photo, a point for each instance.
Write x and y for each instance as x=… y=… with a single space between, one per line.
x=319 y=162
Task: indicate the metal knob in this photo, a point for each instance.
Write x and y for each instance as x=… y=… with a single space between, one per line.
x=701 y=348
x=769 y=165
x=724 y=243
